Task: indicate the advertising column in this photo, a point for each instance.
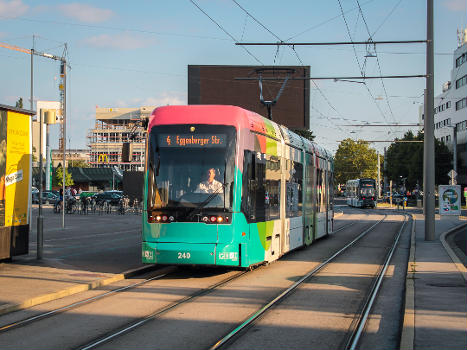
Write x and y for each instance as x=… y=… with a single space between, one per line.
x=15 y=165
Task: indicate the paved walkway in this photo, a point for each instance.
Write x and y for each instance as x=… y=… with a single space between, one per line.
x=436 y=292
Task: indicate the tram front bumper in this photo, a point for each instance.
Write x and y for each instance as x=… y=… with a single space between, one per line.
x=190 y=253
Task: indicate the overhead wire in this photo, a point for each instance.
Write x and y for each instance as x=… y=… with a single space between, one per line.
x=324 y=22
x=224 y=30
x=295 y=52
x=377 y=59
x=109 y=28
x=358 y=62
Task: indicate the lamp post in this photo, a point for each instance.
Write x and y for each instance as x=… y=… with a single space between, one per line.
x=46 y=117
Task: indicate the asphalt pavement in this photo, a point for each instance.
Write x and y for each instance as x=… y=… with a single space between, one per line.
x=97 y=250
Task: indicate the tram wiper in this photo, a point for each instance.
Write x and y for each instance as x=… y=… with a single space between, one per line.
x=206 y=201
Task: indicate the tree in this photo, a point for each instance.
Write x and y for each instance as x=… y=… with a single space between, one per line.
x=58 y=178
x=79 y=163
x=405 y=160
x=19 y=103
x=354 y=160
x=308 y=134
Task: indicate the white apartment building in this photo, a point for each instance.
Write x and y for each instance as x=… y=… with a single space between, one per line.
x=451 y=107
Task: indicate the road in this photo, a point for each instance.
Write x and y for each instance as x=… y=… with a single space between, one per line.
x=318 y=314
x=100 y=243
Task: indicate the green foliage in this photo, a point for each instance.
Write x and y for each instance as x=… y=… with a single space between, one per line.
x=19 y=103
x=405 y=159
x=58 y=177
x=308 y=134
x=354 y=160
x=34 y=158
x=79 y=163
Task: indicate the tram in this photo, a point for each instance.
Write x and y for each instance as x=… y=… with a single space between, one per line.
x=361 y=193
x=225 y=186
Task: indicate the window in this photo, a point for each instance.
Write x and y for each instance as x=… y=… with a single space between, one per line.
x=461 y=103
x=461 y=59
x=461 y=81
x=261 y=191
x=448 y=104
x=293 y=187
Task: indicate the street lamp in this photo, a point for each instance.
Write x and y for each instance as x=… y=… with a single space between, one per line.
x=47 y=117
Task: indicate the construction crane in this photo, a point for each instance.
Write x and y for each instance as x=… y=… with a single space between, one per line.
x=62 y=88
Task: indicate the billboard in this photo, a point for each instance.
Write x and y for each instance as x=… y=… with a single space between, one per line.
x=221 y=85
x=15 y=180
x=449 y=199
x=17 y=170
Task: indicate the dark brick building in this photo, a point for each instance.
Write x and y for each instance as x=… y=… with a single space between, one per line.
x=220 y=85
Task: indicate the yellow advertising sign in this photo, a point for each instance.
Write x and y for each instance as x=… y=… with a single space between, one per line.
x=17 y=169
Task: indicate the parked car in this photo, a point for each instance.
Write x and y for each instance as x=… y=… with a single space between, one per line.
x=85 y=194
x=48 y=197
x=112 y=197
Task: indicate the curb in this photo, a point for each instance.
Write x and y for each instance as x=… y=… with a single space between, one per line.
x=459 y=265
x=7 y=308
x=408 y=327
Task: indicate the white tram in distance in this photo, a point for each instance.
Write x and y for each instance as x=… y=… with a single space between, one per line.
x=361 y=193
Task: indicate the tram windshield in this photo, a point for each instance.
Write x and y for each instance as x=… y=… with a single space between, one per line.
x=191 y=166
x=367 y=188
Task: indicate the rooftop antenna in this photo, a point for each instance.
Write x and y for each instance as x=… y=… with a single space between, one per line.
x=260 y=72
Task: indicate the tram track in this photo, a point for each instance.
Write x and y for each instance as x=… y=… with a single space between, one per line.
x=119 y=332
x=43 y=315
x=248 y=322
x=252 y=318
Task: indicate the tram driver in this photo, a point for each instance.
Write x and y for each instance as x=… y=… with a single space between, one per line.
x=211 y=185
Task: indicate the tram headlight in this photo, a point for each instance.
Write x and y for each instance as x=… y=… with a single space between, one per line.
x=213 y=218
x=171 y=218
x=205 y=219
x=164 y=218
x=158 y=218
x=220 y=219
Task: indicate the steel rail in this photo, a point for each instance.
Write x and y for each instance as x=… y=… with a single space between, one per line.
x=357 y=333
x=157 y=313
x=281 y=296
x=41 y=316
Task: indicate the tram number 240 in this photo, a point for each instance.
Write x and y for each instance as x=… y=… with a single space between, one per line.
x=184 y=255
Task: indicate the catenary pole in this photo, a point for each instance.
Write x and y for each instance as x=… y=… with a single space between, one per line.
x=429 y=144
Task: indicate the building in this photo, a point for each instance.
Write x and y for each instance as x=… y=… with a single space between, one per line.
x=41 y=107
x=223 y=85
x=73 y=157
x=450 y=114
x=113 y=127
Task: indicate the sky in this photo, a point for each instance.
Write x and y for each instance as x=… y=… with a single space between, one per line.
x=132 y=54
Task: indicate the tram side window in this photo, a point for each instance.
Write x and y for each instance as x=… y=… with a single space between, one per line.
x=309 y=188
x=261 y=187
x=272 y=187
x=293 y=186
x=254 y=191
x=320 y=188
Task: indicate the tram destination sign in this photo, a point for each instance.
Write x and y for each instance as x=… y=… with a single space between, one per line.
x=192 y=140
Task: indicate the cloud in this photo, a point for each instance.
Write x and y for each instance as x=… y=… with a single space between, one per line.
x=86 y=13
x=455 y=5
x=13 y=8
x=122 y=41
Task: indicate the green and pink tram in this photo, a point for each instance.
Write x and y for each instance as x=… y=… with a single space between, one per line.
x=225 y=186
